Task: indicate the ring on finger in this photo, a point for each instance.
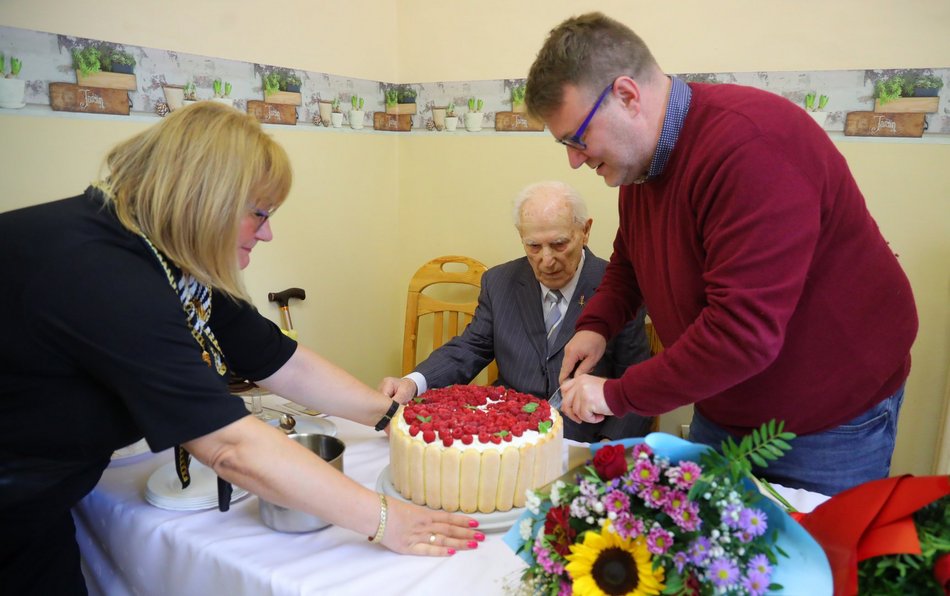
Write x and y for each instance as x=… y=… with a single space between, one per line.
x=432 y=538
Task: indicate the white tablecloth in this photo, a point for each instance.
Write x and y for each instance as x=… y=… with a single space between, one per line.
x=131 y=547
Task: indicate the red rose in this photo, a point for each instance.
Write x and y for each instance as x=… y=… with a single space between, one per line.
x=610 y=462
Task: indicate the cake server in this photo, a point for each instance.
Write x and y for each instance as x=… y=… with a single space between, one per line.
x=555 y=399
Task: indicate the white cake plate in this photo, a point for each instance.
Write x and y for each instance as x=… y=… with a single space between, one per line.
x=498 y=521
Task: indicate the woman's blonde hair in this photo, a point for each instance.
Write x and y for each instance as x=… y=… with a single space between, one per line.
x=187 y=182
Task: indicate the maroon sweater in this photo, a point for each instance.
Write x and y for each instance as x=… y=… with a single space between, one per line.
x=765 y=276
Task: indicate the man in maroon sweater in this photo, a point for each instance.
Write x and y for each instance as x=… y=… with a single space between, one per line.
x=745 y=234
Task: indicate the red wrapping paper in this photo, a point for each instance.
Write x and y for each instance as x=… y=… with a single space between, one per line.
x=871 y=520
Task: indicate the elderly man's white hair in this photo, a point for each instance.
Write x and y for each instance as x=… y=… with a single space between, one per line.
x=552 y=187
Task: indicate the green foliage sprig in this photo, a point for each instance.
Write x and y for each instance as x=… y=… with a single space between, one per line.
x=357 y=102
x=897 y=575
x=450 y=110
x=475 y=104
x=335 y=105
x=766 y=443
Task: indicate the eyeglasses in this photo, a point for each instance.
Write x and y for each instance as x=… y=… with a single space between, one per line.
x=574 y=140
x=262 y=216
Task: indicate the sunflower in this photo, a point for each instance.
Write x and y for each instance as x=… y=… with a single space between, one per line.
x=605 y=564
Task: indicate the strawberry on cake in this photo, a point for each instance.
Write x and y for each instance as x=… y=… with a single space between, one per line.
x=469 y=448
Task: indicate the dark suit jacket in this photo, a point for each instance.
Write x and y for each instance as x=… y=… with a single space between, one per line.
x=508 y=326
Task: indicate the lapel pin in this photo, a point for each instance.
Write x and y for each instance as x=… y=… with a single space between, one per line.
x=581 y=301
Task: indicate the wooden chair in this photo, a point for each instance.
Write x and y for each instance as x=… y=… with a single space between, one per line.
x=656 y=346
x=448 y=318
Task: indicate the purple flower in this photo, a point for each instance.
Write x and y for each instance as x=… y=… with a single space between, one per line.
x=629 y=482
x=680 y=560
x=723 y=573
x=628 y=526
x=760 y=563
x=659 y=541
x=617 y=501
x=699 y=550
x=756 y=583
x=753 y=521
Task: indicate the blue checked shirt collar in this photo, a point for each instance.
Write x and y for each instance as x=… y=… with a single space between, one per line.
x=676 y=110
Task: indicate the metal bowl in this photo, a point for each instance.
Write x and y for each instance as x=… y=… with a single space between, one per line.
x=283 y=519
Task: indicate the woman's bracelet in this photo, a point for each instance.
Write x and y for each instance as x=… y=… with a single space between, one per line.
x=381 y=530
x=384 y=421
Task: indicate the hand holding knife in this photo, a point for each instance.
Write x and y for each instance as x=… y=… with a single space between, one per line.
x=556 y=397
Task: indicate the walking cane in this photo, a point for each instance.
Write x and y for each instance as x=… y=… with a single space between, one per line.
x=283 y=301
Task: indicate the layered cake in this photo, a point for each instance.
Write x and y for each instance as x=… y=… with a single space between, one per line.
x=468 y=448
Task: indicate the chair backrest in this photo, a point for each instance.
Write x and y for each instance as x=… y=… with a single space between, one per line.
x=448 y=318
x=656 y=346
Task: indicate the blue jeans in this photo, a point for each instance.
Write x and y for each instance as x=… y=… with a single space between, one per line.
x=831 y=461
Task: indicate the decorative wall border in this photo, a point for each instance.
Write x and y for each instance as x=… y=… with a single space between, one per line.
x=46 y=59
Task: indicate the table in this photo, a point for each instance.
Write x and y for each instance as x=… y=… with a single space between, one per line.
x=130 y=547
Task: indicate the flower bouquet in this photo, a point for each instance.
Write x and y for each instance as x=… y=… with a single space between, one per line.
x=889 y=537
x=677 y=518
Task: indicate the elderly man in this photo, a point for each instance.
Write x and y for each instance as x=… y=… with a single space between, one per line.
x=526 y=313
x=745 y=234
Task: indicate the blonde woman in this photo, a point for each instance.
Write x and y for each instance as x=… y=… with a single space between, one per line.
x=123 y=313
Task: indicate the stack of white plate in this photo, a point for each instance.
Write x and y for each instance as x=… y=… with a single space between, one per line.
x=164 y=489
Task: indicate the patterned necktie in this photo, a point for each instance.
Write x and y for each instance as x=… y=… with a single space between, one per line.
x=553 y=317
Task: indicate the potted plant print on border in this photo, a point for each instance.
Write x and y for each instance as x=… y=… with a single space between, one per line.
x=336 y=115
x=473 y=119
x=12 y=89
x=94 y=66
x=817 y=110
x=356 y=114
x=222 y=92
x=451 y=120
